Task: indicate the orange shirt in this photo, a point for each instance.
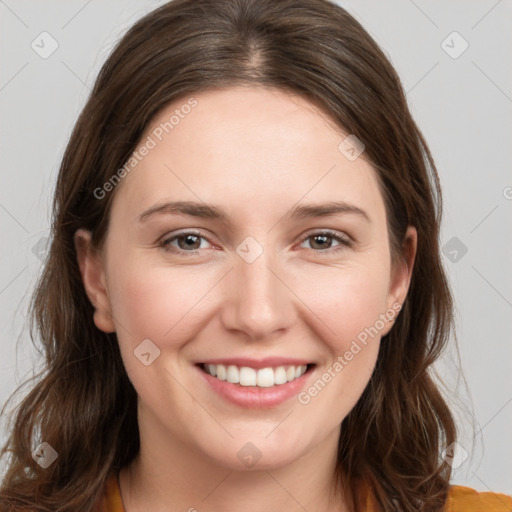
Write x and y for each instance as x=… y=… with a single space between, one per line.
x=460 y=499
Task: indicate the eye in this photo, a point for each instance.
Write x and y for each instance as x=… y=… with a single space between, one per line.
x=322 y=241
x=188 y=241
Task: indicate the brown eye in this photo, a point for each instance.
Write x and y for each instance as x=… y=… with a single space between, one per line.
x=183 y=242
x=323 y=242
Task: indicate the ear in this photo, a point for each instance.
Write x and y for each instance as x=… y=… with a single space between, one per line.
x=92 y=271
x=401 y=275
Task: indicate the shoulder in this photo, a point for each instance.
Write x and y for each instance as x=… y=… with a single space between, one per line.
x=111 y=498
x=466 y=499
x=460 y=499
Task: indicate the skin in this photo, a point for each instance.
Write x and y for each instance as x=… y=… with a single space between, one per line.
x=256 y=153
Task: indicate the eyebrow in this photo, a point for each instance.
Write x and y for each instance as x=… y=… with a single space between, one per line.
x=206 y=211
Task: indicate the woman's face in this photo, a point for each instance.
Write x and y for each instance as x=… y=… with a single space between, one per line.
x=276 y=260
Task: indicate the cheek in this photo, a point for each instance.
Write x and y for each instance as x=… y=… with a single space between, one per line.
x=347 y=301
x=161 y=304
x=165 y=306
x=350 y=307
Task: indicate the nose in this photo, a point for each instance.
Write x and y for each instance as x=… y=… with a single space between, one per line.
x=259 y=301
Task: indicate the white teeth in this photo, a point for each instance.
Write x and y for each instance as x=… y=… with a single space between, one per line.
x=221 y=372
x=247 y=376
x=280 y=375
x=232 y=374
x=263 y=378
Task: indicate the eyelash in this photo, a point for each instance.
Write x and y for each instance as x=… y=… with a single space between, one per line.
x=344 y=242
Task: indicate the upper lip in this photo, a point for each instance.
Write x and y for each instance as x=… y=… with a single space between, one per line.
x=258 y=363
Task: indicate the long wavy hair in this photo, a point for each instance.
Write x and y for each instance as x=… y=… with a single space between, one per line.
x=83 y=404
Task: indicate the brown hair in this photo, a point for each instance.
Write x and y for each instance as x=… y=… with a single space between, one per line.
x=84 y=404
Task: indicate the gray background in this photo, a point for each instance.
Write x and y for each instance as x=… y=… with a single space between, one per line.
x=462 y=103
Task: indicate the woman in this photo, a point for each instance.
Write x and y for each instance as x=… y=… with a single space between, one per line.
x=244 y=293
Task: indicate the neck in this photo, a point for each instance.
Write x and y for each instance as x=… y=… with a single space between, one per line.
x=167 y=475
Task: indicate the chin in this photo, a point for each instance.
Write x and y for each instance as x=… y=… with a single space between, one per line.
x=256 y=453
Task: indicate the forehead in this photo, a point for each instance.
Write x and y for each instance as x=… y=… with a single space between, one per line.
x=250 y=149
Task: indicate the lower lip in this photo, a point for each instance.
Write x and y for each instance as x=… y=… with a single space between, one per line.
x=253 y=397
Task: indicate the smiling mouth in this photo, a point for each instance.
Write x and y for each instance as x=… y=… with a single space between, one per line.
x=263 y=377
